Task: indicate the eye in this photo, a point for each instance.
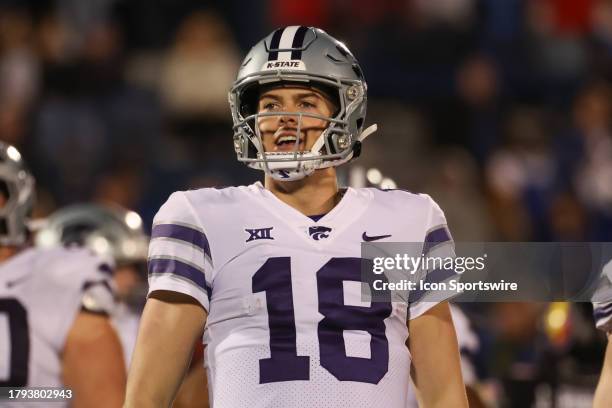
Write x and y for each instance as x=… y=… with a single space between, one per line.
x=269 y=106
x=308 y=104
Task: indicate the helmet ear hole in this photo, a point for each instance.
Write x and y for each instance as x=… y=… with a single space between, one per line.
x=359 y=123
x=248 y=100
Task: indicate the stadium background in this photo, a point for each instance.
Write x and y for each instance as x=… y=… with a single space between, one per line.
x=501 y=110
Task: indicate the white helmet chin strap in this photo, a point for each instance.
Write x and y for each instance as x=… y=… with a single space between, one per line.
x=297 y=170
x=367 y=132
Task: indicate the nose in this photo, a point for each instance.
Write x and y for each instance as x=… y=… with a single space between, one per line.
x=287 y=119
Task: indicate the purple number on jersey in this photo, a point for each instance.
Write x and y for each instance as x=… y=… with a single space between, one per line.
x=274 y=277
x=20 y=342
x=340 y=317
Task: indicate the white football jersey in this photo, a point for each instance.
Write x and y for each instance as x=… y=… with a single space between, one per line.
x=41 y=292
x=602 y=310
x=286 y=324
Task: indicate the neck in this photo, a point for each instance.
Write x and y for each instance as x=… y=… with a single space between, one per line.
x=312 y=195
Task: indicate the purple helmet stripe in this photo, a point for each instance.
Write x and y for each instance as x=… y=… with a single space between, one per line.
x=298 y=42
x=274 y=43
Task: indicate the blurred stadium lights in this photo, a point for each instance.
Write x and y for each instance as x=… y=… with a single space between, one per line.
x=387 y=183
x=133 y=220
x=374 y=176
x=360 y=177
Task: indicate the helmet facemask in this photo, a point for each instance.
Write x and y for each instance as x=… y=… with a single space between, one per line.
x=334 y=146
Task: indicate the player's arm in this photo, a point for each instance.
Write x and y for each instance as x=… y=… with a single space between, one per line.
x=171 y=322
x=436 y=369
x=92 y=363
x=193 y=392
x=603 y=393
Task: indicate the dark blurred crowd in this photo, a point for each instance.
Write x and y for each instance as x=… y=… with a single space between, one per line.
x=501 y=110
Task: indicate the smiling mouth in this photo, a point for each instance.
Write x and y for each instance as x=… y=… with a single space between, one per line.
x=286 y=142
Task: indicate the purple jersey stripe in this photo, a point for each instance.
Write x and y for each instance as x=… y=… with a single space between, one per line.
x=178 y=268
x=435 y=276
x=182 y=233
x=602 y=312
x=435 y=237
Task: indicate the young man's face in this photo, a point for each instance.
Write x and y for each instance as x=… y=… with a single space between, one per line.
x=279 y=132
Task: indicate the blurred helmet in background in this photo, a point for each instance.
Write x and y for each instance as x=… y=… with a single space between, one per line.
x=16 y=197
x=111 y=232
x=307 y=57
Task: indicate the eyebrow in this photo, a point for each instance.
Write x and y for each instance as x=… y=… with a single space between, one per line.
x=295 y=96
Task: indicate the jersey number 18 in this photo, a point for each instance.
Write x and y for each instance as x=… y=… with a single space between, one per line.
x=284 y=364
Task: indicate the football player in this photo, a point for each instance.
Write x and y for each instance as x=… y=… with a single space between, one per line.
x=114 y=233
x=272 y=271
x=54 y=306
x=603 y=319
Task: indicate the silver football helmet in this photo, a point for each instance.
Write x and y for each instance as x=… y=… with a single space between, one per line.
x=111 y=232
x=305 y=56
x=17 y=186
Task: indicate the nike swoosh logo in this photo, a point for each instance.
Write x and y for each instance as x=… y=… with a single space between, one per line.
x=367 y=238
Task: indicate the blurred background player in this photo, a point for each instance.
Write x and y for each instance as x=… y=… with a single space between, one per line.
x=55 y=329
x=114 y=233
x=117 y=234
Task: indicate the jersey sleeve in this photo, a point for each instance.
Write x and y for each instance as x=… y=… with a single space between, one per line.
x=80 y=281
x=437 y=244
x=179 y=253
